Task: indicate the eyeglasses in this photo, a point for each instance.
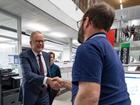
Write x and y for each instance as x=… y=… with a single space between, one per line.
x=79 y=23
x=39 y=41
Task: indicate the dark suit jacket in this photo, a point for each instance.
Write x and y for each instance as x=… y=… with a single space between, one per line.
x=32 y=79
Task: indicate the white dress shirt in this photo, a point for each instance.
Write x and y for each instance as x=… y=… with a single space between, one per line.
x=44 y=66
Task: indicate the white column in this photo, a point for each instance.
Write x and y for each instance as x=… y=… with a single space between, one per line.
x=67 y=51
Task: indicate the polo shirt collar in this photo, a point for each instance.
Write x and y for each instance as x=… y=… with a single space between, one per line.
x=97 y=34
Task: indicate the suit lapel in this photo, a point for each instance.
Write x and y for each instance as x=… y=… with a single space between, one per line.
x=34 y=61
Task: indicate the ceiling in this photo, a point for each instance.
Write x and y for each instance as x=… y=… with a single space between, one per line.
x=125 y=3
x=31 y=14
x=84 y=4
x=129 y=13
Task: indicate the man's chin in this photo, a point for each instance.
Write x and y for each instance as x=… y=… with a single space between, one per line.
x=39 y=50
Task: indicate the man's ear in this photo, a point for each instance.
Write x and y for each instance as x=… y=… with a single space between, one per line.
x=87 y=22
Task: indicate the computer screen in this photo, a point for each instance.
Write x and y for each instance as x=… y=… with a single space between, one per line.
x=13 y=59
x=133 y=85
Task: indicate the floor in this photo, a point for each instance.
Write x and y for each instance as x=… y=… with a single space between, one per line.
x=64 y=99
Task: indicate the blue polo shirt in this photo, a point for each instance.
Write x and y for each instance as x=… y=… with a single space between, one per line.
x=96 y=61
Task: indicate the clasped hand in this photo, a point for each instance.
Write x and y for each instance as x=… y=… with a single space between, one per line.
x=56 y=83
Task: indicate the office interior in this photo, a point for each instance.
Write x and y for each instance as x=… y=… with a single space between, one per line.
x=58 y=22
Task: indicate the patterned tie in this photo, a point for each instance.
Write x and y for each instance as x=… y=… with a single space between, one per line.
x=40 y=64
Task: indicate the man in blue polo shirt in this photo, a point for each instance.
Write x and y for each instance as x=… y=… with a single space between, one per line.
x=98 y=74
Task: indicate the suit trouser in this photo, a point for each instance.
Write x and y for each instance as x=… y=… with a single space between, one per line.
x=53 y=94
x=43 y=99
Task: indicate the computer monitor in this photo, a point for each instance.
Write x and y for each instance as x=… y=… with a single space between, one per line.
x=133 y=85
x=13 y=59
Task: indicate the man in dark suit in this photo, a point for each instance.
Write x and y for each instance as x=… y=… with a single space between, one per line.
x=54 y=71
x=35 y=65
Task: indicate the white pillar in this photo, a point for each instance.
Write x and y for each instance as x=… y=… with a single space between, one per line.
x=67 y=51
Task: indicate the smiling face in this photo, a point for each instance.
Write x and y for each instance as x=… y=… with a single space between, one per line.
x=37 y=42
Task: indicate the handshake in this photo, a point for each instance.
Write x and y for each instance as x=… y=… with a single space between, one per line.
x=57 y=83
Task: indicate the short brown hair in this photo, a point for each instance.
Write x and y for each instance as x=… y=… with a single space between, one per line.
x=52 y=54
x=33 y=33
x=101 y=15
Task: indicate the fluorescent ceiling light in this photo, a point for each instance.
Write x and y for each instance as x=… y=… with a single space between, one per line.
x=37 y=27
x=121 y=6
x=57 y=35
x=120 y=1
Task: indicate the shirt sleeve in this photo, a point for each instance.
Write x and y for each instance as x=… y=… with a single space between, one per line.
x=88 y=64
x=45 y=81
